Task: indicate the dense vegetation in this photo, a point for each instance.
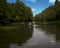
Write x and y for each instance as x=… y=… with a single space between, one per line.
x=50 y=14
x=14 y=12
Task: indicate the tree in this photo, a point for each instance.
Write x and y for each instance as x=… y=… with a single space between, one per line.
x=3 y=5
x=14 y=12
x=56 y=2
x=52 y=13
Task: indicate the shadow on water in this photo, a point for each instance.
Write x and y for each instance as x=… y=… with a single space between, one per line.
x=14 y=35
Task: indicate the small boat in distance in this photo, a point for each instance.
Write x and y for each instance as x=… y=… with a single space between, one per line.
x=30 y=24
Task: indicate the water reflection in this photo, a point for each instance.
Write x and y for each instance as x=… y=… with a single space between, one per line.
x=51 y=30
x=36 y=36
x=38 y=40
x=11 y=36
x=58 y=33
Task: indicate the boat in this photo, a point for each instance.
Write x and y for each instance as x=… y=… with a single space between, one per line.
x=30 y=24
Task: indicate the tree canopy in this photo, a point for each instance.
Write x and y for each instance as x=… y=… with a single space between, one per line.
x=14 y=12
x=52 y=13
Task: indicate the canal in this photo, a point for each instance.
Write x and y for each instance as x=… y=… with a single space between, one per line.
x=26 y=36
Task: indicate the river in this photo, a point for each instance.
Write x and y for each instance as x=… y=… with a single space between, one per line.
x=26 y=36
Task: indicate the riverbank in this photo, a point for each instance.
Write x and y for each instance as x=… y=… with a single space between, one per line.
x=48 y=22
x=14 y=24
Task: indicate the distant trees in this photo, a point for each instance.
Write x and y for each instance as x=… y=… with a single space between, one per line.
x=52 y=13
x=14 y=12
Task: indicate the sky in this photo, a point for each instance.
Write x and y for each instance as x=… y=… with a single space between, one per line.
x=37 y=6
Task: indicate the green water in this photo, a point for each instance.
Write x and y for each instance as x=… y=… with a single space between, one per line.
x=14 y=35
x=35 y=36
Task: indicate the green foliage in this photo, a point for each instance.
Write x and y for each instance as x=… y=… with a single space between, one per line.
x=14 y=12
x=52 y=13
